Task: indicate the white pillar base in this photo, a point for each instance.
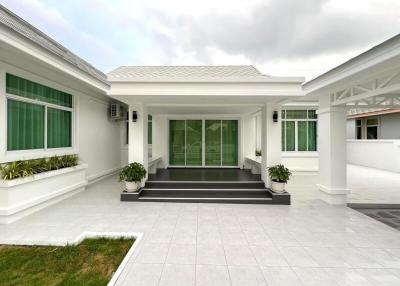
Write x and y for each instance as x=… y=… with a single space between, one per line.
x=333 y=196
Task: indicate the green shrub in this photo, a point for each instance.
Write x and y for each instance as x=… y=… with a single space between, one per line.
x=134 y=172
x=279 y=173
x=26 y=168
x=258 y=153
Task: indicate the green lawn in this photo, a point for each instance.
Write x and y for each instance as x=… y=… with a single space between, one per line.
x=92 y=262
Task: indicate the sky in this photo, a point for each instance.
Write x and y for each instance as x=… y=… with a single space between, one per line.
x=279 y=37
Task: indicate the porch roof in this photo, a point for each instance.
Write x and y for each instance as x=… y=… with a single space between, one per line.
x=204 y=73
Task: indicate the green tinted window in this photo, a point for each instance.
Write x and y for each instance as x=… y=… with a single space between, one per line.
x=229 y=142
x=302 y=136
x=312 y=114
x=177 y=142
x=194 y=129
x=213 y=142
x=290 y=136
x=58 y=128
x=25 y=126
x=29 y=89
x=296 y=114
x=312 y=136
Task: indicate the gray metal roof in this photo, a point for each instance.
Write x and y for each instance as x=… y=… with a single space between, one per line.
x=184 y=73
x=23 y=28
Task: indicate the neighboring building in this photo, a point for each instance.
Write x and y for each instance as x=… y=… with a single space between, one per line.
x=373 y=124
x=214 y=117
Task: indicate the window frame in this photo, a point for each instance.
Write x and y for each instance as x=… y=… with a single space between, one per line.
x=46 y=105
x=377 y=125
x=284 y=119
x=364 y=127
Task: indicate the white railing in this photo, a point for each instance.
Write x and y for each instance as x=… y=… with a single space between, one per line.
x=379 y=154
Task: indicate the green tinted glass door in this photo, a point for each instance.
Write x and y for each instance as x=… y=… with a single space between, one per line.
x=194 y=129
x=177 y=143
x=229 y=143
x=213 y=142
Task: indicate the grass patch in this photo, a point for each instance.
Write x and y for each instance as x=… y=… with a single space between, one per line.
x=92 y=262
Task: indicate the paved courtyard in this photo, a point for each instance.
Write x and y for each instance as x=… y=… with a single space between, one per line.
x=308 y=243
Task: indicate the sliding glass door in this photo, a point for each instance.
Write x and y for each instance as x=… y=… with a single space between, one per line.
x=177 y=138
x=213 y=143
x=194 y=131
x=219 y=138
x=229 y=142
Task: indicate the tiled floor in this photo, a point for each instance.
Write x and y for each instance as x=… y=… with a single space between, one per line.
x=391 y=217
x=307 y=243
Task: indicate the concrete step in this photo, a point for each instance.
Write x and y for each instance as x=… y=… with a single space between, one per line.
x=259 y=185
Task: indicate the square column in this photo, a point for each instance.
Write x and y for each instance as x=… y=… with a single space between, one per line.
x=271 y=141
x=138 y=147
x=332 y=181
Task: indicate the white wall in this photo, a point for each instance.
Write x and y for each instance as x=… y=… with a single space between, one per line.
x=351 y=129
x=301 y=161
x=390 y=126
x=379 y=154
x=99 y=137
x=96 y=139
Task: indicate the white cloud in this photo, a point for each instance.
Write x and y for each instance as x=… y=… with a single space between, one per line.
x=283 y=37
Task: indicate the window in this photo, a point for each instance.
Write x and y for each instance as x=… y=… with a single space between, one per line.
x=38 y=117
x=150 y=129
x=372 y=126
x=299 y=130
x=367 y=129
x=358 y=129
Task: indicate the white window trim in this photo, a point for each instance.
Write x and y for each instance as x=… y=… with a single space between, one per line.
x=296 y=129
x=46 y=150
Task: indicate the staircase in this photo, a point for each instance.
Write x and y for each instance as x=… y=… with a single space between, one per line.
x=238 y=192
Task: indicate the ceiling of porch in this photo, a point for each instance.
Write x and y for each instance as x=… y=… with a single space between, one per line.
x=203 y=109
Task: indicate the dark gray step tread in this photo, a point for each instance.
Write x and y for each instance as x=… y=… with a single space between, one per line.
x=206 y=189
x=201 y=198
x=207 y=182
x=204 y=195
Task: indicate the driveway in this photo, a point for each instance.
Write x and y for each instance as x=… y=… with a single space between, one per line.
x=308 y=243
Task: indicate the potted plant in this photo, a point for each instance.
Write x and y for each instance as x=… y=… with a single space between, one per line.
x=258 y=153
x=132 y=175
x=279 y=175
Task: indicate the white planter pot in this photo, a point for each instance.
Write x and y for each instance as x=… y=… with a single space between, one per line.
x=24 y=196
x=278 y=187
x=132 y=186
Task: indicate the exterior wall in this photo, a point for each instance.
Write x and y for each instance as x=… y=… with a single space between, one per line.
x=388 y=126
x=95 y=138
x=351 y=129
x=379 y=154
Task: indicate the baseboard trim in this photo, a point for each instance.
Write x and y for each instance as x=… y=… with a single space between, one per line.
x=102 y=175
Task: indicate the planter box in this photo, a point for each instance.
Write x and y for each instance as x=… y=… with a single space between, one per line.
x=21 y=197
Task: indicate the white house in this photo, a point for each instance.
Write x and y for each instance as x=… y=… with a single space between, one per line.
x=54 y=103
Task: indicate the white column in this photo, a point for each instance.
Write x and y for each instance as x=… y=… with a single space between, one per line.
x=271 y=141
x=138 y=149
x=332 y=180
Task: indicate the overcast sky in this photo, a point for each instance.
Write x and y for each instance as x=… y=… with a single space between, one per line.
x=279 y=37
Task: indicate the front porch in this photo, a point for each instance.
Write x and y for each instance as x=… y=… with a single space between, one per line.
x=206 y=185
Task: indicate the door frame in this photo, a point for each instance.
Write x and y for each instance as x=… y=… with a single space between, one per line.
x=203 y=118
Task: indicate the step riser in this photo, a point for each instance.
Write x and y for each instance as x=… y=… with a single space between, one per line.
x=216 y=201
x=203 y=192
x=196 y=185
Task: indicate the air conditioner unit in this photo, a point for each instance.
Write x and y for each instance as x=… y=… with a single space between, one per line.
x=116 y=111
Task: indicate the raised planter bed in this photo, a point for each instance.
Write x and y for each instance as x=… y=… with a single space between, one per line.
x=24 y=196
